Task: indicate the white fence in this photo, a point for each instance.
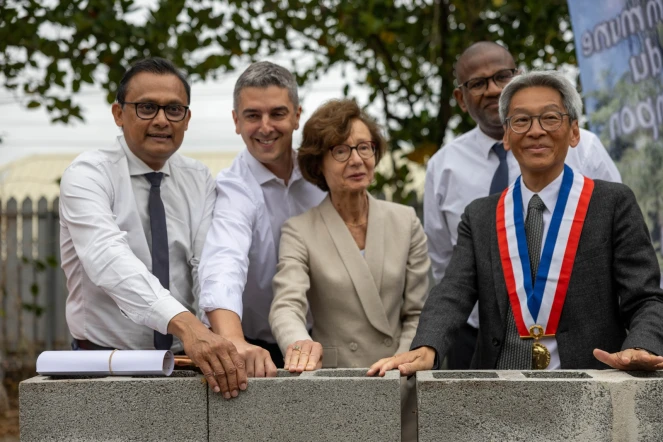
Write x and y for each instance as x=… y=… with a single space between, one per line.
x=32 y=284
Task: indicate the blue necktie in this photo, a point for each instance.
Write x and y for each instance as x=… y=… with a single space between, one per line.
x=501 y=177
x=160 y=266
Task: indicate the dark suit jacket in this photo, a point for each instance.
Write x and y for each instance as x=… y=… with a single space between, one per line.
x=614 y=286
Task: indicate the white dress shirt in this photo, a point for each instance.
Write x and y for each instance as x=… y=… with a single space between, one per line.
x=105 y=239
x=241 y=251
x=462 y=171
x=549 y=196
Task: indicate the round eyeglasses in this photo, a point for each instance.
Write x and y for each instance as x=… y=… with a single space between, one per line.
x=549 y=121
x=147 y=111
x=342 y=152
x=478 y=86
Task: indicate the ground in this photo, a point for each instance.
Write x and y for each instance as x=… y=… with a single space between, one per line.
x=14 y=374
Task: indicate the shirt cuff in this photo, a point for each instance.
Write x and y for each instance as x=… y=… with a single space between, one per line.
x=162 y=311
x=215 y=295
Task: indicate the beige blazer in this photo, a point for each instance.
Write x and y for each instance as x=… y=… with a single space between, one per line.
x=364 y=307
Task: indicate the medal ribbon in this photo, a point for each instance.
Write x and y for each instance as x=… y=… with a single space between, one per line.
x=541 y=302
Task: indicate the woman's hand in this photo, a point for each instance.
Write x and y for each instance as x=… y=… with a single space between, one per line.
x=303 y=356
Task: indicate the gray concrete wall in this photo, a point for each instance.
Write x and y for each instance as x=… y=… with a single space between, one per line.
x=114 y=409
x=344 y=405
x=544 y=406
x=325 y=405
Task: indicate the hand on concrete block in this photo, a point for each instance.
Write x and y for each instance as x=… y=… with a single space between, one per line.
x=630 y=359
x=216 y=356
x=258 y=361
x=408 y=363
x=304 y=355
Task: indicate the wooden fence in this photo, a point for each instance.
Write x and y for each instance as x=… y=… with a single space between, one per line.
x=32 y=284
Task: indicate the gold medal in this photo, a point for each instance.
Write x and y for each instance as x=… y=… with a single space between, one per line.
x=540 y=356
x=540 y=353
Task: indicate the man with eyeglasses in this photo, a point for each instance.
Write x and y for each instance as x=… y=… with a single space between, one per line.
x=256 y=195
x=475 y=164
x=562 y=265
x=133 y=222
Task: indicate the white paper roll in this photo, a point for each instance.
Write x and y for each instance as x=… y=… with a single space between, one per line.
x=106 y=362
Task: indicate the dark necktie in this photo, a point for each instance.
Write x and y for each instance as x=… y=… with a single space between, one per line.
x=517 y=353
x=160 y=267
x=501 y=176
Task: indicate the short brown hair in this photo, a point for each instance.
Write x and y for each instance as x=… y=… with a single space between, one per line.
x=329 y=126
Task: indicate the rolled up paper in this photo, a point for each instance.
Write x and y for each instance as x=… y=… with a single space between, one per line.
x=106 y=362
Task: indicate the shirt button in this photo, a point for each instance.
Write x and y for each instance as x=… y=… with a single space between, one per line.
x=496 y=342
x=388 y=342
x=353 y=346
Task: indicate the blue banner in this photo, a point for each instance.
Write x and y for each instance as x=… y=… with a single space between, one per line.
x=619 y=50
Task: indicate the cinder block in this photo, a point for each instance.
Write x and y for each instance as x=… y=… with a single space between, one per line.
x=647 y=396
x=324 y=405
x=514 y=406
x=114 y=408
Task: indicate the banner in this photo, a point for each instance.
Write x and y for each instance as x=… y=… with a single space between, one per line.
x=619 y=50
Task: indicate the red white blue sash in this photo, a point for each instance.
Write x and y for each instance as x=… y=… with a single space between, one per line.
x=541 y=303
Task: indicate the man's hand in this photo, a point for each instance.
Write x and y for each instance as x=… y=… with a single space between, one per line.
x=630 y=359
x=303 y=356
x=422 y=358
x=216 y=357
x=258 y=361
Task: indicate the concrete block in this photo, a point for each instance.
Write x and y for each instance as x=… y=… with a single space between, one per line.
x=647 y=415
x=514 y=406
x=324 y=405
x=114 y=408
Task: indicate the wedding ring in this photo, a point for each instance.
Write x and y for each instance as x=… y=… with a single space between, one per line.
x=296 y=348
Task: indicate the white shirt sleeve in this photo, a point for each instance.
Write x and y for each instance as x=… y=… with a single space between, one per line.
x=86 y=199
x=597 y=163
x=225 y=260
x=201 y=234
x=440 y=246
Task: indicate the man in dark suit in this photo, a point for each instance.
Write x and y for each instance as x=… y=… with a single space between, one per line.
x=562 y=265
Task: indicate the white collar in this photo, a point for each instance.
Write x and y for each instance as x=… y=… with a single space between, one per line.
x=263 y=175
x=484 y=142
x=136 y=165
x=548 y=194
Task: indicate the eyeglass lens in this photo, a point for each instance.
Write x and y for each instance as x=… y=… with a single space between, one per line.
x=549 y=121
x=174 y=112
x=342 y=152
x=478 y=86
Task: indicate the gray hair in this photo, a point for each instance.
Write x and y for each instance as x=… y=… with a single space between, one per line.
x=262 y=75
x=551 y=79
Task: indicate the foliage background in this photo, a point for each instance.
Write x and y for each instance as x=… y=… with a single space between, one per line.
x=403 y=52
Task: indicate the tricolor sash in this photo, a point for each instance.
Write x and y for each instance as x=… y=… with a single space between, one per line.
x=540 y=304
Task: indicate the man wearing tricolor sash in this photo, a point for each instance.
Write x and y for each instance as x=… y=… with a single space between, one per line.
x=475 y=164
x=562 y=266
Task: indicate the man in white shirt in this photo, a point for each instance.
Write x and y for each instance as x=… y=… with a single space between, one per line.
x=475 y=165
x=255 y=196
x=133 y=223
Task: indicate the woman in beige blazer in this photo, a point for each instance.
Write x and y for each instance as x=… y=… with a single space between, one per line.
x=361 y=264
